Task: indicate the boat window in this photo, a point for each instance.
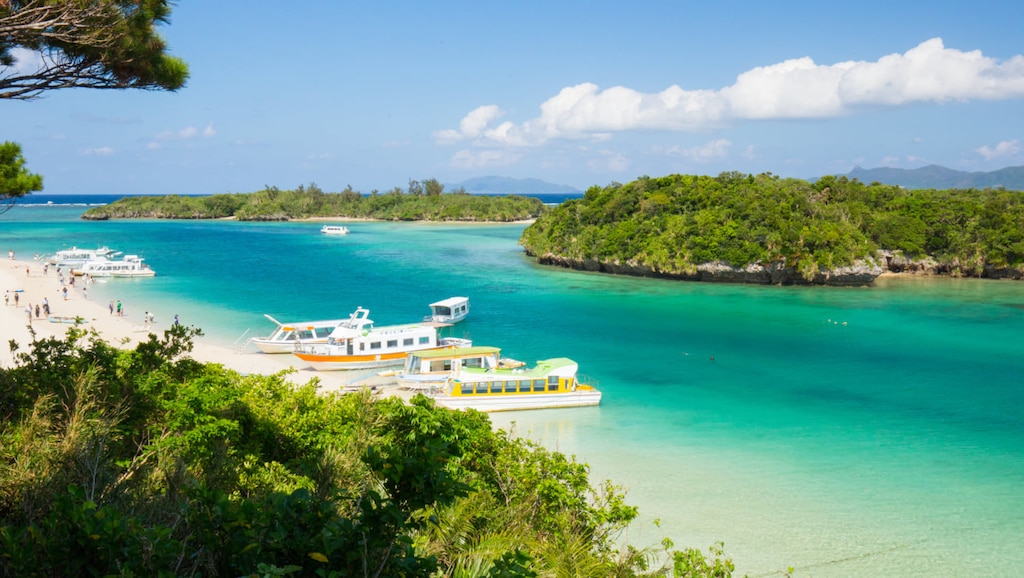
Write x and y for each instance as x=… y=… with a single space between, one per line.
x=481 y=387
x=392 y=343
x=362 y=347
x=438 y=365
x=511 y=386
x=472 y=362
x=375 y=345
x=553 y=383
x=538 y=385
x=323 y=331
x=424 y=340
x=467 y=388
x=407 y=341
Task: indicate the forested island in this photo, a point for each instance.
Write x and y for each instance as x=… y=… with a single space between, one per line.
x=766 y=229
x=423 y=201
x=144 y=462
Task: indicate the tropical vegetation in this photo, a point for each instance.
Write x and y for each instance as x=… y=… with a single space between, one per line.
x=672 y=225
x=144 y=462
x=423 y=201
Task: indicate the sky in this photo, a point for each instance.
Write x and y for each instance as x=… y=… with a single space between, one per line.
x=375 y=94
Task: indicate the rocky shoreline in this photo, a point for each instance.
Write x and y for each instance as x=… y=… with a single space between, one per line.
x=860 y=274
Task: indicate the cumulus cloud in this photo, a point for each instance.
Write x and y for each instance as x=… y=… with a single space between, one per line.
x=793 y=89
x=1006 y=148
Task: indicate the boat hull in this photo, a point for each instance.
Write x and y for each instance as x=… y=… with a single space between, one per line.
x=520 y=401
x=338 y=362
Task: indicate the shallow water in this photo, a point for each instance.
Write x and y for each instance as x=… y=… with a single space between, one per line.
x=844 y=432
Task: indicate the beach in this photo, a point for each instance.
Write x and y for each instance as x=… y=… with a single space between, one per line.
x=27 y=284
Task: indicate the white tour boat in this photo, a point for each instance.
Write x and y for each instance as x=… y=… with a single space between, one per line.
x=334 y=230
x=75 y=257
x=287 y=336
x=432 y=368
x=549 y=384
x=129 y=266
x=359 y=345
x=449 y=311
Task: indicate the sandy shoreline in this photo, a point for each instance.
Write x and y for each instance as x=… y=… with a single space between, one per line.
x=27 y=280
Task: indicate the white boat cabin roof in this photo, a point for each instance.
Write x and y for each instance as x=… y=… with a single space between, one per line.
x=451 y=302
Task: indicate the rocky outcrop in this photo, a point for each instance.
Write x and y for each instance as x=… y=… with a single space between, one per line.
x=776 y=273
x=896 y=262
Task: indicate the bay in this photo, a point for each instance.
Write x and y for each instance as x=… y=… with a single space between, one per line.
x=843 y=432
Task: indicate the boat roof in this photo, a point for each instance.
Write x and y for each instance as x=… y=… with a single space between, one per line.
x=450 y=302
x=544 y=368
x=455 y=352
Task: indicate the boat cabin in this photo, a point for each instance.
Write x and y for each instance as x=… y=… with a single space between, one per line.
x=451 y=310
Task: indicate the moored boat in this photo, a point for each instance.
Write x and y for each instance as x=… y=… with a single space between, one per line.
x=432 y=368
x=359 y=345
x=75 y=257
x=334 y=230
x=449 y=311
x=129 y=266
x=551 y=383
x=287 y=336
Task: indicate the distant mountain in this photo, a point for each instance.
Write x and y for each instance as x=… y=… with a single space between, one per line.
x=510 y=186
x=938 y=177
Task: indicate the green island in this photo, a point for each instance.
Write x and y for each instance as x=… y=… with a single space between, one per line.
x=765 y=229
x=144 y=462
x=423 y=201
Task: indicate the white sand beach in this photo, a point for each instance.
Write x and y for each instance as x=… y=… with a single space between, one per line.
x=25 y=285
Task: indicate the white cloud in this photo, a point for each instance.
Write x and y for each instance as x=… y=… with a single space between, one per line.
x=25 y=62
x=609 y=161
x=98 y=152
x=189 y=132
x=1006 y=148
x=796 y=88
x=467 y=159
x=707 y=152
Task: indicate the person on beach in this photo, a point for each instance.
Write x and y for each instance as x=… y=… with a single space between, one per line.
x=10 y=254
x=37 y=311
x=7 y=297
x=16 y=298
x=26 y=270
x=175 y=319
x=65 y=293
x=28 y=311
x=46 y=307
x=85 y=291
x=46 y=266
x=120 y=310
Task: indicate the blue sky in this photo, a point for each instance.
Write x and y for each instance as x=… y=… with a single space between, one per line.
x=576 y=93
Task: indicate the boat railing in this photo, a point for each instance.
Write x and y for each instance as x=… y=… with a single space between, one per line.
x=242 y=342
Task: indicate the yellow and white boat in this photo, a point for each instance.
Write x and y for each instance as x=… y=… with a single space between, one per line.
x=477 y=378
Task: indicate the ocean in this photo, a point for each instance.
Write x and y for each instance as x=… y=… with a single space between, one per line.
x=839 y=431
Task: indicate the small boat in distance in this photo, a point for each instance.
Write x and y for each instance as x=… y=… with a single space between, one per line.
x=552 y=383
x=287 y=336
x=129 y=266
x=449 y=311
x=334 y=230
x=359 y=345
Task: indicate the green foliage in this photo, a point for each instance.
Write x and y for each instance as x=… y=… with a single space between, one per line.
x=89 y=43
x=425 y=201
x=15 y=180
x=675 y=223
x=143 y=462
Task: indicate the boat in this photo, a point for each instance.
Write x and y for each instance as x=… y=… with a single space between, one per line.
x=551 y=383
x=334 y=230
x=432 y=368
x=129 y=266
x=359 y=345
x=287 y=336
x=74 y=256
x=449 y=311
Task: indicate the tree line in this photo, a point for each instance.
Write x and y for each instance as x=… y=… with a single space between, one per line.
x=674 y=223
x=422 y=201
x=144 y=462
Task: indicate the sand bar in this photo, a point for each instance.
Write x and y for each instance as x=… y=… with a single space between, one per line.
x=25 y=284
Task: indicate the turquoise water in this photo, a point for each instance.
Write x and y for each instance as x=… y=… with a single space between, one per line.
x=844 y=432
